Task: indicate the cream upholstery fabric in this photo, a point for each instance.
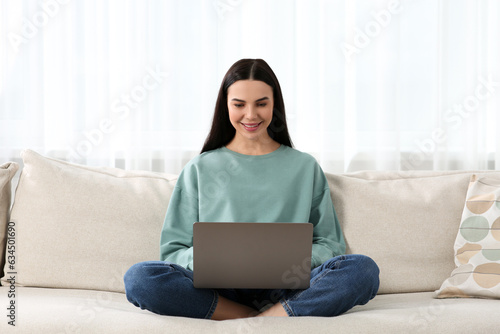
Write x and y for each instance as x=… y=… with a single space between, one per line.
x=7 y=172
x=42 y=310
x=407 y=222
x=83 y=227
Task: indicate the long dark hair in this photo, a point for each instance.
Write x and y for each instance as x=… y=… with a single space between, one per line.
x=222 y=131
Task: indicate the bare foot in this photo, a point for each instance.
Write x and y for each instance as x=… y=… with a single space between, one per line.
x=227 y=309
x=276 y=310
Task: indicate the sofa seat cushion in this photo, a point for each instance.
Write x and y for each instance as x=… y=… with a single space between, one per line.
x=44 y=310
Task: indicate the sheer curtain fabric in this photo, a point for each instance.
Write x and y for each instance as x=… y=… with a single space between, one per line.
x=397 y=85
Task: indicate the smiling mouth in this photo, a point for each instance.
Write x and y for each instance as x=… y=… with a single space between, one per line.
x=251 y=126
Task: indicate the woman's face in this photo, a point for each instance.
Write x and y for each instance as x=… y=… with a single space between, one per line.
x=250 y=104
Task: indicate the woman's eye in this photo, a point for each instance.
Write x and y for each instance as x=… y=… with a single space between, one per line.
x=238 y=105
x=262 y=104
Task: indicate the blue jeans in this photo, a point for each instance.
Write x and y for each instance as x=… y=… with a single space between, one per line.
x=336 y=286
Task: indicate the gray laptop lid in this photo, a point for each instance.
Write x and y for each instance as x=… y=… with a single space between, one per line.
x=252 y=255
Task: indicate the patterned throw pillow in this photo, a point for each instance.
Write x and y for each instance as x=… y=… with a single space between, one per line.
x=477 y=246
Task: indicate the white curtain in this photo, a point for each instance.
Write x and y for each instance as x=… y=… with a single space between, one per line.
x=386 y=85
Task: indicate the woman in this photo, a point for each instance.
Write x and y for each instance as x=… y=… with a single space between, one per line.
x=249 y=171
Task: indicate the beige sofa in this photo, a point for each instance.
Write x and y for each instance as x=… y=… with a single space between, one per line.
x=77 y=229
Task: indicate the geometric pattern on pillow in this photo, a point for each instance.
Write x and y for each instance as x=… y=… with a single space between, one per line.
x=477 y=246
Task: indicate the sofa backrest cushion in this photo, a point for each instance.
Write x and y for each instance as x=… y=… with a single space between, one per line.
x=83 y=227
x=406 y=221
x=7 y=172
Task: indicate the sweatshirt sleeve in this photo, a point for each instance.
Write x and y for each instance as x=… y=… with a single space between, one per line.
x=328 y=240
x=176 y=241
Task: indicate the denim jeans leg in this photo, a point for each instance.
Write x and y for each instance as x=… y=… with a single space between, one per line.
x=336 y=286
x=167 y=289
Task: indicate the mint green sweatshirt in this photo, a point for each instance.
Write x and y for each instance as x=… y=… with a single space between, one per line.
x=224 y=186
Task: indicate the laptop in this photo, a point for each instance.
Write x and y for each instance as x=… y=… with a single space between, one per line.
x=252 y=255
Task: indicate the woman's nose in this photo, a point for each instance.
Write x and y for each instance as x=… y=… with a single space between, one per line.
x=251 y=112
